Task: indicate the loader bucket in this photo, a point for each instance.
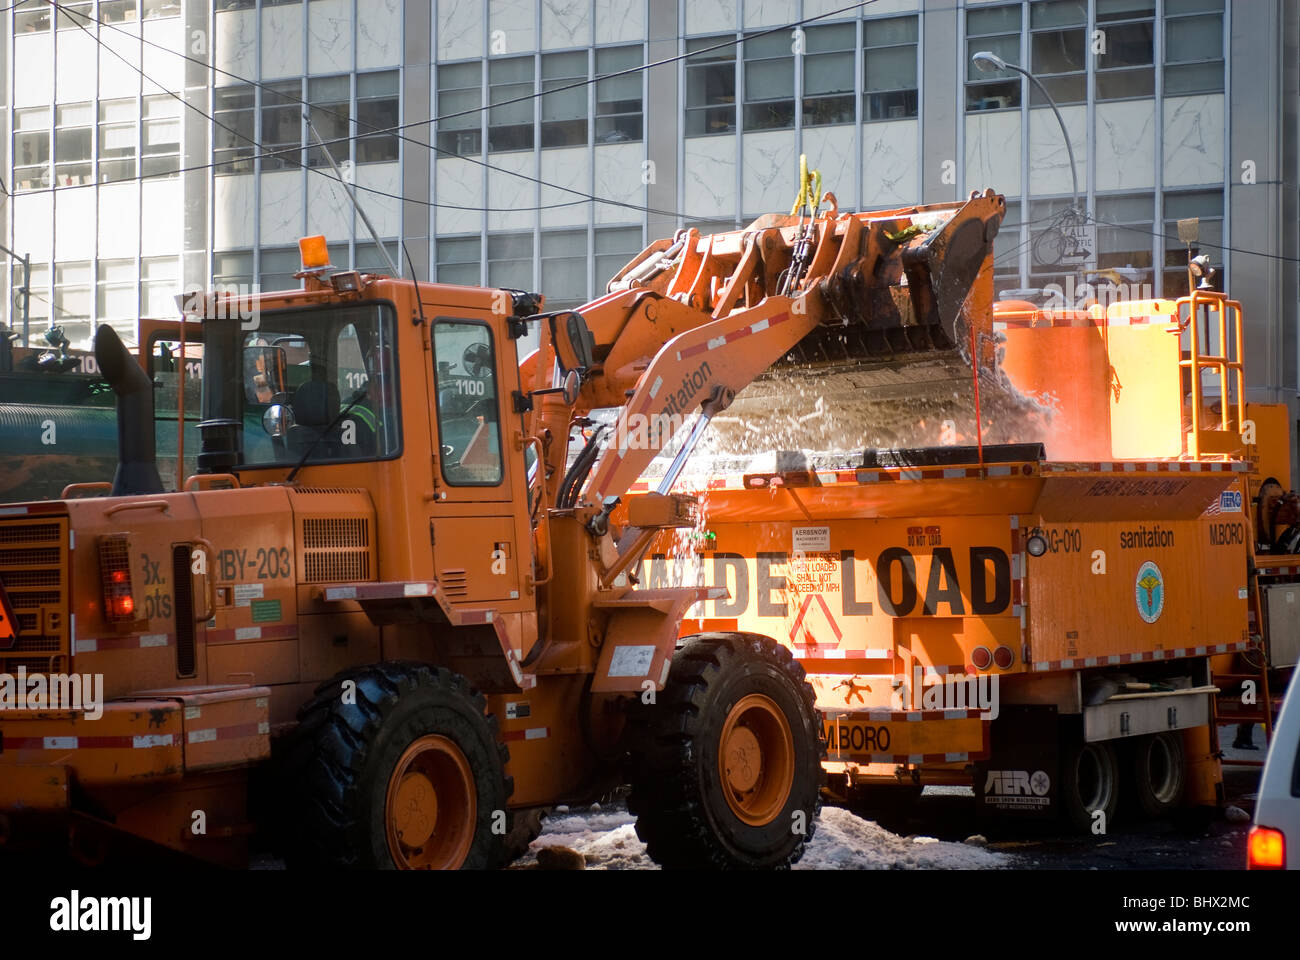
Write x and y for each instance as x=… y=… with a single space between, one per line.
x=905 y=289
x=902 y=299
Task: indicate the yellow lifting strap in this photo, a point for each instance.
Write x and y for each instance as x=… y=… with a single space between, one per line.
x=810 y=186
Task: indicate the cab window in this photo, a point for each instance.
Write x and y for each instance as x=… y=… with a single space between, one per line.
x=469 y=433
x=319 y=384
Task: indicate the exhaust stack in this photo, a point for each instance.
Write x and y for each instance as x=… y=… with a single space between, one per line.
x=137 y=469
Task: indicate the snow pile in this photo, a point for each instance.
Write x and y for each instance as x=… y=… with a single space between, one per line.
x=843 y=841
x=846 y=842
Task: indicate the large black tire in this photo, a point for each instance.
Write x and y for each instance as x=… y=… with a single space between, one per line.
x=339 y=768
x=1089 y=782
x=1159 y=776
x=684 y=814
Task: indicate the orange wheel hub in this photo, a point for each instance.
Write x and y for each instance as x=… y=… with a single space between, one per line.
x=431 y=810
x=756 y=760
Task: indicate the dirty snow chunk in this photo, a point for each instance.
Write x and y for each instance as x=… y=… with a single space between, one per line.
x=847 y=842
x=608 y=841
x=977 y=840
x=1236 y=815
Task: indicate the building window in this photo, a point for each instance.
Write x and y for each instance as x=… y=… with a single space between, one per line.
x=377 y=111
x=116 y=11
x=460 y=91
x=1207 y=205
x=161 y=121
x=157 y=9
x=31 y=16
x=160 y=281
x=72 y=301
x=1048 y=242
x=117 y=140
x=997 y=30
x=510 y=260
x=889 y=67
x=1126 y=68
x=282 y=123
x=38 y=302
x=233 y=267
x=710 y=88
x=828 y=74
x=564 y=268
x=564 y=113
x=615 y=248
x=618 y=99
x=1058 y=51
x=73 y=16
x=330 y=99
x=769 y=82
x=1124 y=241
x=115 y=300
x=234 y=110
x=370 y=259
x=279 y=266
x=74 y=129
x=1193 y=46
x=32 y=148
x=1007 y=247
x=510 y=126
x=459 y=259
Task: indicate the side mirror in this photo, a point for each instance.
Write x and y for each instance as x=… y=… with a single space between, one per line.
x=574 y=343
x=572 y=384
x=277 y=420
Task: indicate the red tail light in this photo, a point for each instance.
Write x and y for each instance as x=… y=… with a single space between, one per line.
x=115 y=574
x=1266 y=849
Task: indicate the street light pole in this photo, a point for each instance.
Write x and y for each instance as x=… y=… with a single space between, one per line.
x=988 y=62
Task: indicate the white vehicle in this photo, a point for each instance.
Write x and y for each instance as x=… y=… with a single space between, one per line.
x=1276 y=832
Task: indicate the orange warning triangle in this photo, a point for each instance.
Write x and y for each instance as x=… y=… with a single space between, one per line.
x=8 y=622
x=808 y=639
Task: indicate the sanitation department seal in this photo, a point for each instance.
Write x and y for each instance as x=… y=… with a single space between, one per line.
x=1150 y=591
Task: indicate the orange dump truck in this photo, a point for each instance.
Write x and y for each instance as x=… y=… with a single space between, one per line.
x=1048 y=621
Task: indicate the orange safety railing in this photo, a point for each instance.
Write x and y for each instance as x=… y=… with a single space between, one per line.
x=1226 y=363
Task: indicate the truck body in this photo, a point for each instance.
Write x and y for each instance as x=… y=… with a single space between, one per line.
x=1054 y=623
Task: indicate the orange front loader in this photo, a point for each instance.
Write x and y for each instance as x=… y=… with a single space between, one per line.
x=385 y=497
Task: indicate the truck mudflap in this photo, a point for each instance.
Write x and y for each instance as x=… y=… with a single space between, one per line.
x=905 y=736
x=156 y=737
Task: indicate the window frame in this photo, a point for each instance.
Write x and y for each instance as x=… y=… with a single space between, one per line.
x=716 y=60
x=751 y=108
x=1102 y=73
x=912 y=94
x=1170 y=67
x=496 y=399
x=472 y=129
x=395 y=388
x=1001 y=83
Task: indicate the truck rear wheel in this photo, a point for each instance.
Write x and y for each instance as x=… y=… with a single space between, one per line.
x=726 y=764
x=1089 y=782
x=398 y=766
x=1159 y=777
